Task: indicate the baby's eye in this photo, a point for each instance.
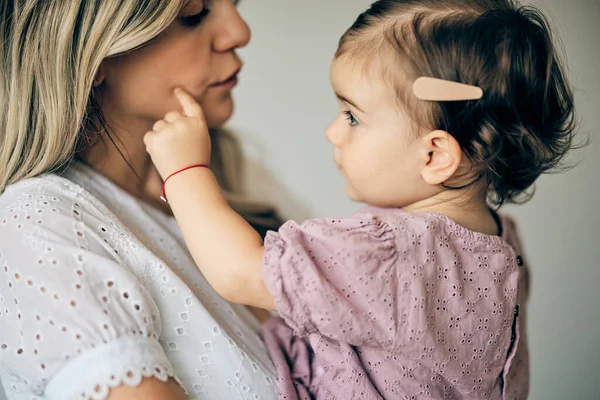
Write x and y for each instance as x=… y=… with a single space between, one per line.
x=350 y=117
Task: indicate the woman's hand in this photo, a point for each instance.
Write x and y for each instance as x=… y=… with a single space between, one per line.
x=180 y=139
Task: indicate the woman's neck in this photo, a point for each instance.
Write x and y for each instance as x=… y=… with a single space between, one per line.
x=122 y=158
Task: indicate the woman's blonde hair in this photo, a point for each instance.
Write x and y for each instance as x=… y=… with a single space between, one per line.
x=50 y=53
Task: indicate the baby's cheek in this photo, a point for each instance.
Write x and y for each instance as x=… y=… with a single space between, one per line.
x=363 y=173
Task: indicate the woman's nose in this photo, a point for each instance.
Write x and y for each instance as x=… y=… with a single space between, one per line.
x=234 y=32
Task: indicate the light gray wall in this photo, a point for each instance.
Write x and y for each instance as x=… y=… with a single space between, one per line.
x=285 y=103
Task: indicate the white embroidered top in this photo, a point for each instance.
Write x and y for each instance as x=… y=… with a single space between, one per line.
x=97 y=290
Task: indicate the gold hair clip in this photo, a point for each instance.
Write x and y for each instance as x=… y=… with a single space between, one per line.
x=433 y=89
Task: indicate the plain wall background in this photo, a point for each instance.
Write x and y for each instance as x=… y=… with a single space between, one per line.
x=285 y=103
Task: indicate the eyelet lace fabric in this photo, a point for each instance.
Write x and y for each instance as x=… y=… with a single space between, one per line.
x=97 y=290
x=388 y=304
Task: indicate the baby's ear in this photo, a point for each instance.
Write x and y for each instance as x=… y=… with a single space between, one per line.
x=444 y=157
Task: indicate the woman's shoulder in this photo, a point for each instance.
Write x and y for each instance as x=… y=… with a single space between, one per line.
x=49 y=193
x=52 y=205
x=50 y=220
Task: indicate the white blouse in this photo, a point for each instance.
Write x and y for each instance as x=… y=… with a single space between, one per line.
x=97 y=289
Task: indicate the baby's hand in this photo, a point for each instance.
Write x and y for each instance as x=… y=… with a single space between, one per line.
x=180 y=139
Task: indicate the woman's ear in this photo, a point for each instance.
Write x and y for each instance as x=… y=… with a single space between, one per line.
x=100 y=75
x=444 y=157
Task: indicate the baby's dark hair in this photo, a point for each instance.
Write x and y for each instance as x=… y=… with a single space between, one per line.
x=525 y=122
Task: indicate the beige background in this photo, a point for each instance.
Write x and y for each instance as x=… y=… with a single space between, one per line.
x=285 y=103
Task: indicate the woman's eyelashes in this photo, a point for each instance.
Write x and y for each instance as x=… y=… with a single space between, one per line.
x=192 y=21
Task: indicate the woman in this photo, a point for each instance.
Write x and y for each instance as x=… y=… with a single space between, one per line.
x=99 y=298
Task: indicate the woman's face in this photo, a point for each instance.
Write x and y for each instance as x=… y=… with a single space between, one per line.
x=197 y=53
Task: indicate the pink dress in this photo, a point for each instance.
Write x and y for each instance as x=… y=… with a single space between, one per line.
x=392 y=305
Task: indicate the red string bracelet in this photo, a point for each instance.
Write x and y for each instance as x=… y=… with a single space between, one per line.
x=164 y=195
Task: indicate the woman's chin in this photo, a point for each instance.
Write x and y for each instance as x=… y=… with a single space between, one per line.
x=217 y=113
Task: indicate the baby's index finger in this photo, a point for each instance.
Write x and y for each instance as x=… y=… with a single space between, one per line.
x=190 y=107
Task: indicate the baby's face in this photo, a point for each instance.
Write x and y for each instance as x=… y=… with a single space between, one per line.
x=375 y=146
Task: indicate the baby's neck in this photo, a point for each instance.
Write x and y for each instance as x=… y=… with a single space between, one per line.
x=470 y=212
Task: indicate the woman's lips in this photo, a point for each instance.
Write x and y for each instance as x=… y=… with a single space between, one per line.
x=229 y=83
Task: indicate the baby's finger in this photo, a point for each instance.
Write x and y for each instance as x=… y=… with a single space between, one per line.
x=190 y=107
x=159 y=125
x=173 y=116
x=148 y=136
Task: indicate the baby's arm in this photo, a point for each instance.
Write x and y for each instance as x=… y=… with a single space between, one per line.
x=224 y=246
